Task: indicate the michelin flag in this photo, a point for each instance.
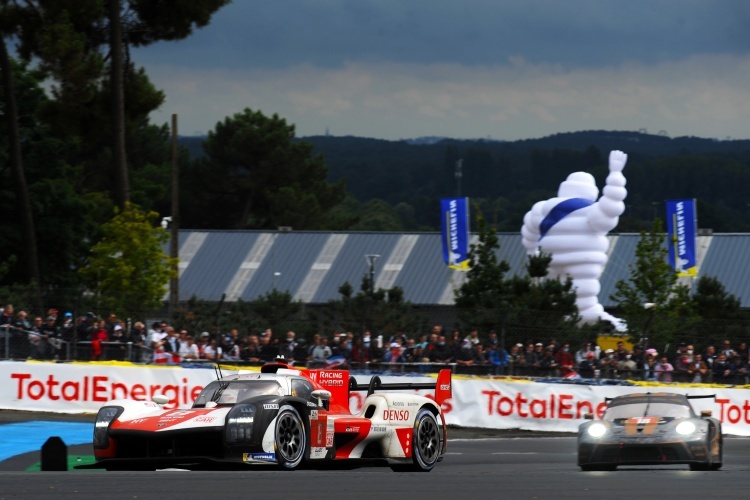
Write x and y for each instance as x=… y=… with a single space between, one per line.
x=681 y=231
x=455 y=224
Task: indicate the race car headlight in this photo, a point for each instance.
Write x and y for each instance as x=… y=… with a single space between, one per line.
x=240 y=424
x=101 y=427
x=685 y=428
x=597 y=429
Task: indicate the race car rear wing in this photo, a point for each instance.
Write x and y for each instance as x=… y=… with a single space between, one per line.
x=443 y=386
x=662 y=394
x=339 y=383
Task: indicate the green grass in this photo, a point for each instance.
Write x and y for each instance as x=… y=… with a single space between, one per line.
x=72 y=462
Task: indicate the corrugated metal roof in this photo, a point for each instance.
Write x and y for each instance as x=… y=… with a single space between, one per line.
x=726 y=260
x=313 y=265
x=621 y=255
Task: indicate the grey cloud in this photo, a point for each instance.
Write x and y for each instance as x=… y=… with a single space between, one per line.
x=579 y=33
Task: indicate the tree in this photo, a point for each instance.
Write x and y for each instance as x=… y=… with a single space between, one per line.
x=85 y=47
x=128 y=268
x=31 y=255
x=83 y=124
x=49 y=195
x=485 y=298
x=255 y=175
x=712 y=301
x=379 y=311
x=517 y=305
x=653 y=282
x=276 y=308
x=545 y=303
x=377 y=215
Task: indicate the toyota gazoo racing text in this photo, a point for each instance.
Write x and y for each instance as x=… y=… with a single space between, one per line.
x=281 y=416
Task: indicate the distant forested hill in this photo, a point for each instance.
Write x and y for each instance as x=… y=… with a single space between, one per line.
x=504 y=179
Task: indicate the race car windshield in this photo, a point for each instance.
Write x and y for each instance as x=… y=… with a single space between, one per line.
x=227 y=393
x=647 y=408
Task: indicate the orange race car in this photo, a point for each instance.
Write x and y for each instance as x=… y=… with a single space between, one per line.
x=650 y=429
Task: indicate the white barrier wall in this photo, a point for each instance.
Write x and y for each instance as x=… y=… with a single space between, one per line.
x=495 y=404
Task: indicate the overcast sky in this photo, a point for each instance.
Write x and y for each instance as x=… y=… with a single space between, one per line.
x=501 y=69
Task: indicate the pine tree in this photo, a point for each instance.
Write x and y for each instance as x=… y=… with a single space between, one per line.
x=652 y=299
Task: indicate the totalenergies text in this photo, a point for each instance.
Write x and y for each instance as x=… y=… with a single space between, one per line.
x=100 y=389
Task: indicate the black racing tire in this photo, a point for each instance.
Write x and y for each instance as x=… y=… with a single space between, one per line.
x=704 y=467
x=714 y=465
x=426 y=442
x=589 y=468
x=290 y=437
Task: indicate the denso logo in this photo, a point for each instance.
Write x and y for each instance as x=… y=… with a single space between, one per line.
x=396 y=415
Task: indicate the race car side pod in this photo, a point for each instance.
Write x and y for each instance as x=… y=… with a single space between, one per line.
x=443 y=387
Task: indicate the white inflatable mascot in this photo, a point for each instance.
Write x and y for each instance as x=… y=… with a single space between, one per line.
x=573 y=228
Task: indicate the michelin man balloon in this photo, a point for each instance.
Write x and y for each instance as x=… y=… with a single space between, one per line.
x=573 y=228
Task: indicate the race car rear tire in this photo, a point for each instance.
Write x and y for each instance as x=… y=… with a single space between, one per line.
x=426 y=444
x=589 y=468
x=291 y=438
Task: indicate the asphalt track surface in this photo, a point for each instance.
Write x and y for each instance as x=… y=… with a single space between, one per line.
x=479 y=464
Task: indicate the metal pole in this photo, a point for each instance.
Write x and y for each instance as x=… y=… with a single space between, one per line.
x=174 y=283
x=371 y=258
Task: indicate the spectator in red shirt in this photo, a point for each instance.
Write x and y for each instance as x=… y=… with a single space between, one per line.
x=564 y=357
x=98 y=335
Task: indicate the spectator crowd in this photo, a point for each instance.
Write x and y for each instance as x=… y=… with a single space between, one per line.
x=56 y=336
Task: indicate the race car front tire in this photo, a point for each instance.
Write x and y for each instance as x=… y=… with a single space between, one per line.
x=426 y=444
x=291 y=438
x=699 y=467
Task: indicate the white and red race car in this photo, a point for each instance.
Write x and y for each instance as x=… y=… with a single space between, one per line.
x=282 y=416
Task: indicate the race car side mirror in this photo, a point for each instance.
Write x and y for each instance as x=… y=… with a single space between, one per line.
x=322 y=396
x=588 y=416
x=705 y=413
x=160 y=399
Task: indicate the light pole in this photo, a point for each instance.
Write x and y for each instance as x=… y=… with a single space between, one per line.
x=174 y=228
x=371 y=258
x=650 y=307
x=168 y=223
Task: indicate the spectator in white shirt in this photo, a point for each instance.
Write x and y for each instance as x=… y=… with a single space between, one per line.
x=212 y=351
x=189 y=349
